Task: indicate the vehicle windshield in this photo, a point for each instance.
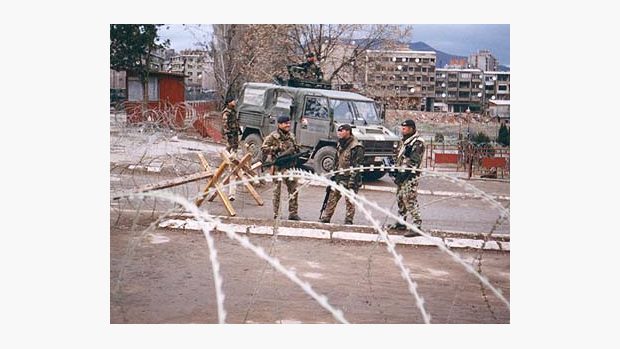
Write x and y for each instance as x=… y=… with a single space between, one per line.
x=344 y=112
x=367 y=111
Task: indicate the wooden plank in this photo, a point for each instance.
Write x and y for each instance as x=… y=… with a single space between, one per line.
x=167 y=184
x=216 y=185
x=239 y=172
x=216 y=176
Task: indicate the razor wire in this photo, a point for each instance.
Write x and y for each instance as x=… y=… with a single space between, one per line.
x=306 y=175
x=181 y=164
x=208 y=223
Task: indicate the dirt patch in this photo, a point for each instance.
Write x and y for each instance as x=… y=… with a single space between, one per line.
x=167 y=278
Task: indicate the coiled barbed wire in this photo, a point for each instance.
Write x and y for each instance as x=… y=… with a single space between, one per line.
x=302 y=174
x=208 y=223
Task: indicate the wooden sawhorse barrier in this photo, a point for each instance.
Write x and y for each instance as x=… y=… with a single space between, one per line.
x=239 y=170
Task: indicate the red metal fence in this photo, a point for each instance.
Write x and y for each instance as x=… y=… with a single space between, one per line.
x=201 y=115
x=483 y=161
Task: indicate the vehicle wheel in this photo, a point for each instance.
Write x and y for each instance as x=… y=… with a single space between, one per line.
x=324 y=159
x=253 y=143
x=372 y=176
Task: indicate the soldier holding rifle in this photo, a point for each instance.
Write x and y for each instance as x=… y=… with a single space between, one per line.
x=279 y=144
x=349 y=153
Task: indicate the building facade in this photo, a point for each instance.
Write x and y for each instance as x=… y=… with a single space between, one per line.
x=457 y=90
x=484 y=60
x=190 y=63
x=401 y=79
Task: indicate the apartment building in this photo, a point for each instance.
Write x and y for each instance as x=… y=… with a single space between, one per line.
x=190 y=63
x=497 y=85
x=484 y=60
x=457 y=90
x=402 y=79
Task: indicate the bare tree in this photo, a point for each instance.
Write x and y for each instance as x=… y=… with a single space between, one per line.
x=258 y=52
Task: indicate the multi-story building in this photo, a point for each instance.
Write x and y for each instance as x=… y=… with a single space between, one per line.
x=190 y=63
x=406 y=79
x=484 y=60
x=457 y=90
x=497 y=85
x=402 y=79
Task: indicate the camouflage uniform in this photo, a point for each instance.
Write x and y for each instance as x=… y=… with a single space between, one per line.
x=277 y=143
x=310 y=71
x=410 y=154
x=230 y=128
x=349 y=154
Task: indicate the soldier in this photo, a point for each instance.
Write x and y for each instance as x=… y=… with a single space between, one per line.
x=349 y=153
x=282 y=142
x=230 y=125
x=311 y=70
x=410 y=154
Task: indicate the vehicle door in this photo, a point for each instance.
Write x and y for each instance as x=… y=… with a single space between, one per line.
x=280 y=102
x=315 y=122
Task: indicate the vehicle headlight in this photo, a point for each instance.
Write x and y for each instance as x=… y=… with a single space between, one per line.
x=395 y=144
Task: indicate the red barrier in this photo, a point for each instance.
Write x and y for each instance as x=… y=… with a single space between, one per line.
x=494 y=162
x=446 y=158
x=207 y=128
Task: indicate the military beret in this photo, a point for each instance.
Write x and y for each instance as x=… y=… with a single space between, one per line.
x=408 y=122
x=311 y=54
x=345 y=127
x=283 y=118
x=229 y=99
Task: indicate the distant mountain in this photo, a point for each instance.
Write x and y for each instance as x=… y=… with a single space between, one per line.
x=503 y=68
x=444 y=58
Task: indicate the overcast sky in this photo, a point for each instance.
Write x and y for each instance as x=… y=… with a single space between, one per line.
x=457 y=39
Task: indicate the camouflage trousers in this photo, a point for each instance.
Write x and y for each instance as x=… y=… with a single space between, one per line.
x=232 y=140
x=291 y=187
x=407 y=196
x=332 y=201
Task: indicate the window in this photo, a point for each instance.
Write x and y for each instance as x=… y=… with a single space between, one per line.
x=254 y=96
x=136 y=91
x=465 y=75
x=366 y=111
x=342 y=110
x=283 y=100
x=316 y=107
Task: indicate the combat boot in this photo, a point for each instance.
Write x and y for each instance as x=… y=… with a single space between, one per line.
x=293 y=217
x=348 y=221
x=397 y=226
x=411 y=234
x=325 y=220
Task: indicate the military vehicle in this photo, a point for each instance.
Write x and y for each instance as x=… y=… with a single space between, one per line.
x=316 y=111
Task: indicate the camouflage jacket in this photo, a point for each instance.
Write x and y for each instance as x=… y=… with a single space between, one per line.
x=230 y=121
x=410 y=154
x=349 y=154
x=279 y=143
x=311 y=71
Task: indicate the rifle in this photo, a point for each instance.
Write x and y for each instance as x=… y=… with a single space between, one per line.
x=286 y=159
x=328 y=189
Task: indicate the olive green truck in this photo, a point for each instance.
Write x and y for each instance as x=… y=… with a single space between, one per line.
x=315 y=115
